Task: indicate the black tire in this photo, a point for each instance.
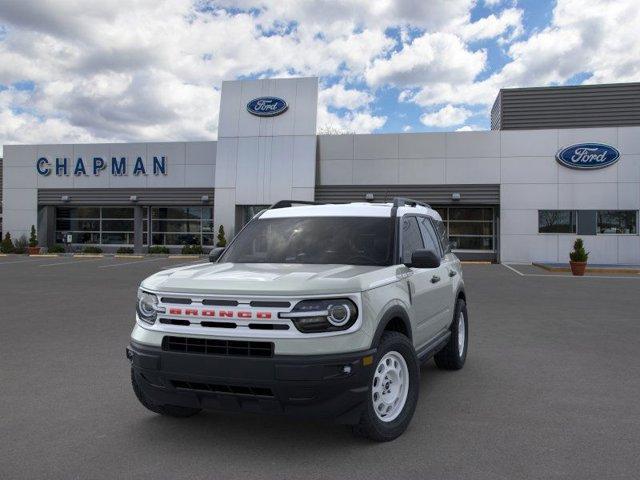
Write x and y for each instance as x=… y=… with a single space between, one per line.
x=168 y=410
x=372 y=427
x=450 y=357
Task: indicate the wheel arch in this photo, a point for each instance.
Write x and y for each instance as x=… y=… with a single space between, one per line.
x=395 y=319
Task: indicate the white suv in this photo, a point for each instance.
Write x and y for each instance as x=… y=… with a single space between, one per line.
x=312 y=310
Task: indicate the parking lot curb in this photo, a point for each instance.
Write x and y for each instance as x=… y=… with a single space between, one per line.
x=601 y=270
x=123 y=255
x=45 y=255
x=88 y=255
x=184 y=256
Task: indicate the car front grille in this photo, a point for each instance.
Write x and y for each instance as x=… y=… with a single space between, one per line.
x=206 y=346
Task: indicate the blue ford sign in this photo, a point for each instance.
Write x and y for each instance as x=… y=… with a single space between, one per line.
x=588 y=156
x=267 y=106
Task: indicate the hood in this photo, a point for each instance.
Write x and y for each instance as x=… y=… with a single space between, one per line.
x=268 y=279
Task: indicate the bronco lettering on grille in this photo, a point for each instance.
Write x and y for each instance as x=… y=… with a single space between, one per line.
x=243 y=314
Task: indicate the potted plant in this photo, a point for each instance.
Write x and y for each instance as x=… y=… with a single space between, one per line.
x=33 y=249
x=222 y=241
x=578 y=258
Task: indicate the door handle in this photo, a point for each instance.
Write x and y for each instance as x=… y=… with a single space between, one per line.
x=435 y=279
x=452 y=273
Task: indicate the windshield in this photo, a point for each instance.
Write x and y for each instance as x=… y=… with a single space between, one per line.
x=323 y=240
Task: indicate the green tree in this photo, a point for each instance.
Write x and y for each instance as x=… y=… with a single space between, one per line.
x=7 y=244
x=222 y=241
x=579 y=254
x=33 y=238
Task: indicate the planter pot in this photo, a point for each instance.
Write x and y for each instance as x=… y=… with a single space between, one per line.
x=578 y=268
x=33 y=250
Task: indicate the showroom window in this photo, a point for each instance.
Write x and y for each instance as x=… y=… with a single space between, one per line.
x=556 y=221
x=95 y=225
x=182 y=226
x=618 y=222
x=469 y=228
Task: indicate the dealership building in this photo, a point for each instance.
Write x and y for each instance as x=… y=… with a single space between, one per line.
x=559 y=162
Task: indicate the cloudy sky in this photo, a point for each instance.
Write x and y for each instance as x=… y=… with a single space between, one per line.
x=116 y=70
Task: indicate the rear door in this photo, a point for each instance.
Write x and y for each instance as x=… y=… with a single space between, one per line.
x=442 y=281
x=421 y=282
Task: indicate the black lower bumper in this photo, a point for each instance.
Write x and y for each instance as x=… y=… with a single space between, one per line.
x=321 y=386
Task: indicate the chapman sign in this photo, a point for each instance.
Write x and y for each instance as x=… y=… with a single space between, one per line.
x=588 y=156
x=118 y=166
x=267 y=106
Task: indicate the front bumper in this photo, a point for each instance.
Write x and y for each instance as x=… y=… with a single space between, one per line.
x=317 y=386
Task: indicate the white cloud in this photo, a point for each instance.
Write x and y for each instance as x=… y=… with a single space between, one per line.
x=469 y=128
x=433 y=57
x=447 y=116
x=340 y=97
x=407 y=128
x=509 y=22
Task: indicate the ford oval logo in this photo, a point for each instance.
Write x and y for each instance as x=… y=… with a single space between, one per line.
x=588 y=156
x=267 y=106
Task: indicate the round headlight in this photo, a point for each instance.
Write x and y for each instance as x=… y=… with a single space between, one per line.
x=147 y=307
x=338 y=314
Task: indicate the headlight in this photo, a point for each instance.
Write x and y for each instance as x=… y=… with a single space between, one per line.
x=314 y=316
x=147 y=307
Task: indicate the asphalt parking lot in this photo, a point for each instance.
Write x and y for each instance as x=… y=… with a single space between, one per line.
x=551 y=389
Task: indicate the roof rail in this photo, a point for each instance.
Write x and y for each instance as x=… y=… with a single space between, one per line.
x=402 y=201
x=291 y=203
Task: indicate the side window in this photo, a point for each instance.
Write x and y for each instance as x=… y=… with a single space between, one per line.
x=430 y=238
x=411 y=238
x=441 y=230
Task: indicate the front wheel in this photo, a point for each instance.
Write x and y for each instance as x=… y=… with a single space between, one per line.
x=454 y=354
x=393 y=390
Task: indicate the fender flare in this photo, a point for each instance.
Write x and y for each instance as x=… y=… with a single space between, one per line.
x=396 y=311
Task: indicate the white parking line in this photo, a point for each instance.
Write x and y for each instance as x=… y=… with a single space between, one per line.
x=130 y=263
x=72 y=262
x=31 y=260
x=550 y=275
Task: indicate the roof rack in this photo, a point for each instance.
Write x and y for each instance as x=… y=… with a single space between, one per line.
x=402 y=201
x=291 y=203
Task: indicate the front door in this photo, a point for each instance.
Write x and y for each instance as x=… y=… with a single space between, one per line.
x=425 y=284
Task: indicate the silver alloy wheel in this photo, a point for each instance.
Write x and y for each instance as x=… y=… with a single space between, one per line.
x=462 y=332
x=390 y=386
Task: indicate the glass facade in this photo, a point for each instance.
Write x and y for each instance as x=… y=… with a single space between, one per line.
x=556 y=221
x=470 y=228
x=95 y=225
x=182 y=226
x=623 y=222
x=171 y=226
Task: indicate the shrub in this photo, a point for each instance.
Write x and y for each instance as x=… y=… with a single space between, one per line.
x=7 y=244
x=91 y=249
x=192 y=250
x=33 y=238
x=20 y=245
x=57 y=248
x=158 y=249
x=125 y=250
x=579 y=254
x=222 y=241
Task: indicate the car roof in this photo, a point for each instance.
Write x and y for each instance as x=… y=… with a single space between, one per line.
x=356 y=209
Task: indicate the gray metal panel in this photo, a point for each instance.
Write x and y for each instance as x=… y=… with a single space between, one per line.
x=121 y=196
x=567 y=107
x=587 y=222
x=433 y=194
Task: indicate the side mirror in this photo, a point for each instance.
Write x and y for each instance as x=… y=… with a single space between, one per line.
x=424 y=259
x=215 y=254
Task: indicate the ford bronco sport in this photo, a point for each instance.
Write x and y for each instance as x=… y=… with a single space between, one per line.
x=323 y=311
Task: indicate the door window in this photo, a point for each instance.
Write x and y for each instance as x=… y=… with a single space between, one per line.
x=431 y=241
x=411 y=238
